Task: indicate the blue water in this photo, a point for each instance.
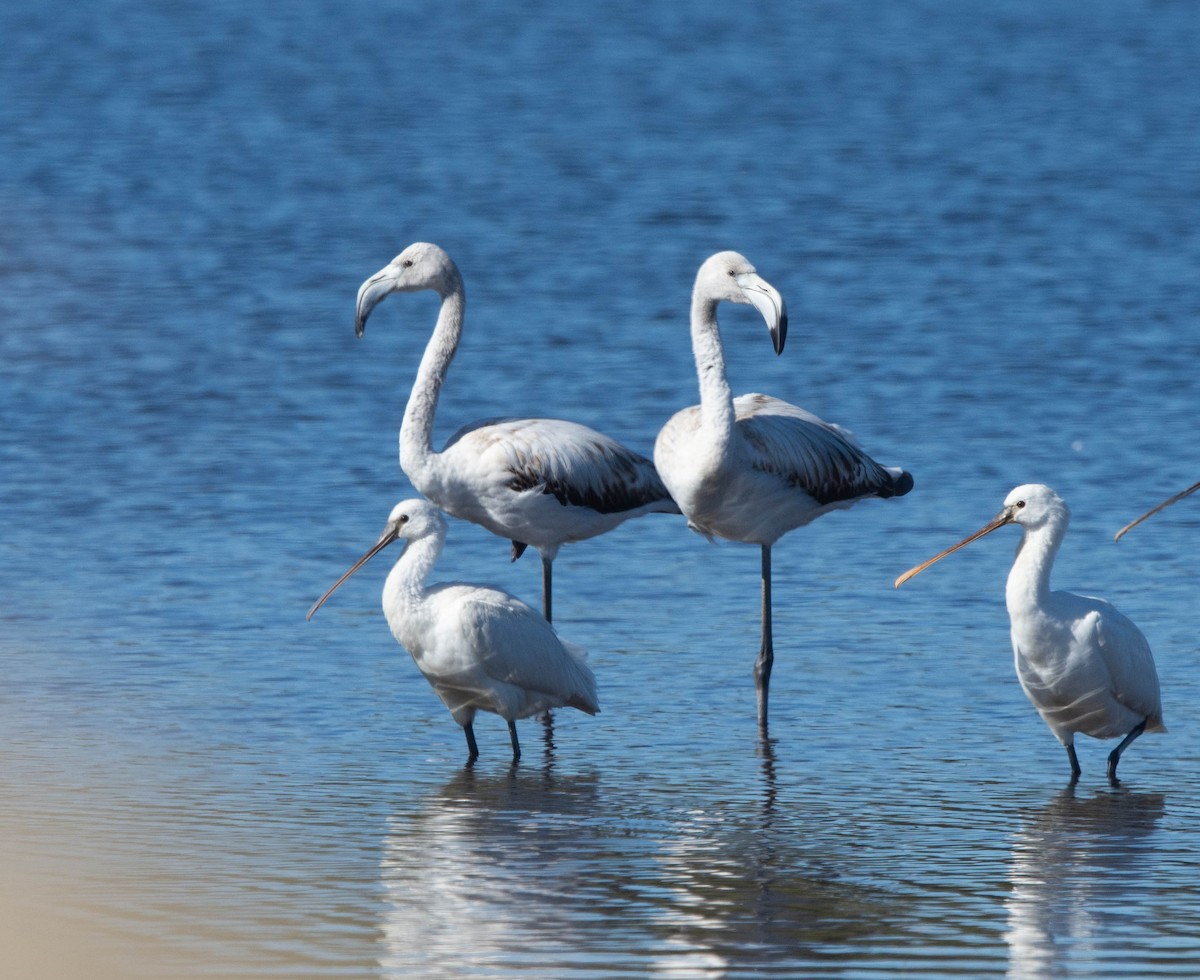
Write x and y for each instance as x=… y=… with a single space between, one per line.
x=984 y=218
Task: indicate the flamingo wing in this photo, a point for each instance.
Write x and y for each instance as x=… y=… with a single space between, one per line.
x=575 y=464
x=821 y=458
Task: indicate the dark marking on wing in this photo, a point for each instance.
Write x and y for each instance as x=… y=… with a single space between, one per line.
x=816 y=457
x=612 y=480
x=576 y=465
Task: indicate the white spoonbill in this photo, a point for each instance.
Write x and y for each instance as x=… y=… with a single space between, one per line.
x=753 y=468
x=1085 y=667
x=1154 y=510
x=481 y=649
x=540 y=482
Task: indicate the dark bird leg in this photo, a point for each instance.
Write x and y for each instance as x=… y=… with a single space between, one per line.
x=1075 y=770
x=1115 y=755
x=547 y=611
x=547 y=737
x=766 y=654
x=512 y=734
x=518 y=549
x=472 y=748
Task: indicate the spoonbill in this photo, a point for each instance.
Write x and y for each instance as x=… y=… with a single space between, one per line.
x=540 y=482
x=1085 y=666
x=480 y=648
x=753 y=468
x=1154 y=510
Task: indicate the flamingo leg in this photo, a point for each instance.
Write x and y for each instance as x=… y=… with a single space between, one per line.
x=1115 y=755
x=547 y=611
x=472 y=748
x=547 y=578
x=512 y=734
x=766 y=653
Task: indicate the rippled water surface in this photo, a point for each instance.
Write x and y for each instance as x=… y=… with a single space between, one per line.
x=984 y=220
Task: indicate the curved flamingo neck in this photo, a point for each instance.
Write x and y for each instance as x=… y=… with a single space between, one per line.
x=716 y=398
x=416 y=431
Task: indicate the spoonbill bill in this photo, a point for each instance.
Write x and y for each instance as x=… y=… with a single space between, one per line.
x=1154 y=510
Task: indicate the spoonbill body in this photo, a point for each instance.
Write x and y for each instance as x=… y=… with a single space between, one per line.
x=535 y=481
x=753 y=468
x=480 y=648
x=1086 y=667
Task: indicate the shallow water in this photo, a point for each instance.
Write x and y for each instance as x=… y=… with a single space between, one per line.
x=983 y=218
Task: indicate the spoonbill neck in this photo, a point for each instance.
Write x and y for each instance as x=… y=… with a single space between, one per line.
x=1029 y=580
x=405 y=583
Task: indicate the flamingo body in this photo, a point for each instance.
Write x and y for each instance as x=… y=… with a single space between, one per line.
x=541 y=482
x=781 y=468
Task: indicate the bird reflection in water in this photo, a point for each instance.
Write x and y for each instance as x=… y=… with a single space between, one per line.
x=1078 y=867
x=487 y=872
x=535 y=871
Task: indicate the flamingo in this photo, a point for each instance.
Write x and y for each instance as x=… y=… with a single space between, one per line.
x=1154 y=510
x=480 y=648
x=540 y=482
x=1085 y=666
x=753 y=468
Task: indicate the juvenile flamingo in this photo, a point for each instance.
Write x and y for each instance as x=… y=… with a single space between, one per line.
x=753 y=468
x=540 y=482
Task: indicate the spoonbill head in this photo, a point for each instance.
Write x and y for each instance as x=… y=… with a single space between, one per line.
x=1031 y=506
x=1084 y=666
